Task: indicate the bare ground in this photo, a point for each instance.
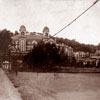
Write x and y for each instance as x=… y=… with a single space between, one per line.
x=7 y=90
x=62 y=86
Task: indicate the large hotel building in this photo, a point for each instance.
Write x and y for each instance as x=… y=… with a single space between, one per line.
x=25 y=41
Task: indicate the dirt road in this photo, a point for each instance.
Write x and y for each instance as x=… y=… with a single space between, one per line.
x=7 y=90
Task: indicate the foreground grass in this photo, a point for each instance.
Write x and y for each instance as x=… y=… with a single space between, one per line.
x=33 y=86
x=62 y=86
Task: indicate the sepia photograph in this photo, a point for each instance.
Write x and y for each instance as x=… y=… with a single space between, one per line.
x=49 y=50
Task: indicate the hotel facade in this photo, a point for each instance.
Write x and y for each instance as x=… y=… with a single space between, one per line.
x=24 y=42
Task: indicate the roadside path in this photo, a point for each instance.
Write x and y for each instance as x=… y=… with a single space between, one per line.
x=7 y=90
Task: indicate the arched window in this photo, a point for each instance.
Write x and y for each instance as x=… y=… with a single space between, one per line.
x=22 y=44
x=34 y=42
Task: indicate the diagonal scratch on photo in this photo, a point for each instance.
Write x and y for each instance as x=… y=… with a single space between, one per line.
x=49 y=50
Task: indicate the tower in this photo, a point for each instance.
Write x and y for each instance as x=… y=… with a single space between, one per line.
x=46 y=32
x=22 y=39
x=22 y=30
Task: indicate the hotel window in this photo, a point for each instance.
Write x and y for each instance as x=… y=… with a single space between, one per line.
x=22 y=45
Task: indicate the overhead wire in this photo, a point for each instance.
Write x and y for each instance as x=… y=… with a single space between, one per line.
x=77 y=17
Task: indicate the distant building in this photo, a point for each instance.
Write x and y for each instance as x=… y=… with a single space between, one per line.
x=95 y=55
x=67 y=50
x=97 y=52
x=80 y=55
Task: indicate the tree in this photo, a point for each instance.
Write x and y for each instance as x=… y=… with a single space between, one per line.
x=46 y=55
x=5 y=40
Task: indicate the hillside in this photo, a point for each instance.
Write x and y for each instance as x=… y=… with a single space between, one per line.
x=77 y=46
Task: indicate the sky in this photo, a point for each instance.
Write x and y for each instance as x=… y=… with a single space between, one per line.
x=36 y=14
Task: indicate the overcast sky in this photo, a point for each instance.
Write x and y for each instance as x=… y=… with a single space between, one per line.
x=35 y=14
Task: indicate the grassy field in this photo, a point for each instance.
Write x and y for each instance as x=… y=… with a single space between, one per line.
x=62 y=86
